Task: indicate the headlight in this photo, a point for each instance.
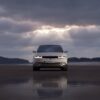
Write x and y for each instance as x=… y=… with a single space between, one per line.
x=38 y=57
x=61 y=56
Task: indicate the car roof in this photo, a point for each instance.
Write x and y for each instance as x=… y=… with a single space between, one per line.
x=50 y=45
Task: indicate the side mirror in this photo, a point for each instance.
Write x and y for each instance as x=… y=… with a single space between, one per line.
x=34 y=51
x=65 y=51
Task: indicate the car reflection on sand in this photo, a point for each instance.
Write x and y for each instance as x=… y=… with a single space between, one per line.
x=49 y=85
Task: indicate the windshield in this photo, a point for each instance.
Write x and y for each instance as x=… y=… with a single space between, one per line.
x=50 y=48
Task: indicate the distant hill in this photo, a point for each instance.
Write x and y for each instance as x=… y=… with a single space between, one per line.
x=75 y=59
x=4 y=60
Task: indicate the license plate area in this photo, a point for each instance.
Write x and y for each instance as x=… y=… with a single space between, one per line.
x=48 y=61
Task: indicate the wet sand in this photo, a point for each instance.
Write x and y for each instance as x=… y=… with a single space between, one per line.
x=80 y=82
x=84 y=73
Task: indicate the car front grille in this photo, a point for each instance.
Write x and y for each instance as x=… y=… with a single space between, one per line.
x=49 y=56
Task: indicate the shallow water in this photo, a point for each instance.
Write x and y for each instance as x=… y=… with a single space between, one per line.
x=75 y=84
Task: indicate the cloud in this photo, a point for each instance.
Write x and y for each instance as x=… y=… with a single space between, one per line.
x=85 y=41
x=79 y=41
x=15 y=45
x=80 y=12
x=2 y=10
x=86 y=36
x=10 y=26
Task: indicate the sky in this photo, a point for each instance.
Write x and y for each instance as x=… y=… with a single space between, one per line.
x=26 y=24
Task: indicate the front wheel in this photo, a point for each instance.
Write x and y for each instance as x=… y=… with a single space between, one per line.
x=36 y=68
x=64 y=68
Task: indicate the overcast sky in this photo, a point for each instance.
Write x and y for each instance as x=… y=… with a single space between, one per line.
x=25 y=24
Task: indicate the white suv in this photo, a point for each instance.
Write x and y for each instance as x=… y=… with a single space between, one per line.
x=50 y=56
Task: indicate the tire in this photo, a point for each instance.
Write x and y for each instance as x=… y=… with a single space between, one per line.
x=36 y=68
x=65 y=68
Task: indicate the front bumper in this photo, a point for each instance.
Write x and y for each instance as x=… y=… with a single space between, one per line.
x=50 y=61
x=51 y=65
